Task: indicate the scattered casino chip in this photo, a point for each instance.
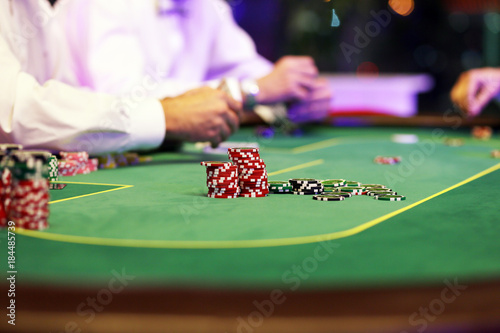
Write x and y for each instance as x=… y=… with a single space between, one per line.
x=495 y=153
x=344 y=194
x=381 y=193
x=333 y=182
x=390 y=197
x=120 y=160
x=353 y=189
x=107 y=161
x=328 y=197
x=482 y=132
x=333 y=189
x=306 y=186
x=304 y=181
x=454 y=142
x=388 y=160
x=373 y=185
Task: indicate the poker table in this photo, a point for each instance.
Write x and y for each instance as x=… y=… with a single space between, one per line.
x=143 y=247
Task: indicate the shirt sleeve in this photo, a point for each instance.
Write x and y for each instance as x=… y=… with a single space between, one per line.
x=56 y=116
x=233 y=51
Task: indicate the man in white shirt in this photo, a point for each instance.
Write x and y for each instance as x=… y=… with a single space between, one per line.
x=114 y=48
x=182 y=44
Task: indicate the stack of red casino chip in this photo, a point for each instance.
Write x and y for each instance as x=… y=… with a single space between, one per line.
x=251 y=170
x=6 y=181
x=222 y=180
x=93 y=164
x=68 y=168
x=5 y=193
x=387 y=159
x=30 y=204
x=81 y=158
x=30 y=190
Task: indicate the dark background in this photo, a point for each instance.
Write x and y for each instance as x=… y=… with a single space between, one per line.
x=441 y=38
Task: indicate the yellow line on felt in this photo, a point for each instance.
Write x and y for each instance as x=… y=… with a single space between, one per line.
x=241 y=243
x=83 y=183
x=90 y=194
x=297 y=167
x=316 y=146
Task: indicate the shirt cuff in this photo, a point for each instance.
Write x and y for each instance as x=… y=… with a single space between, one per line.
x=148 y=126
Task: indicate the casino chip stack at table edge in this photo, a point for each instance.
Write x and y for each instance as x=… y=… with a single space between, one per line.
x=25 y=177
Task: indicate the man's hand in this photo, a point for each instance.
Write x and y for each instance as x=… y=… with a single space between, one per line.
x=475 y=88
x=293 y=78
x=315 y=107
x=203 y=114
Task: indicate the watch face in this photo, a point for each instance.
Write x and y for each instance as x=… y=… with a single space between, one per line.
x=250 y=87
x=254 y=89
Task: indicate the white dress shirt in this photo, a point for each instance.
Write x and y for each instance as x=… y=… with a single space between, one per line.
x=87 y=74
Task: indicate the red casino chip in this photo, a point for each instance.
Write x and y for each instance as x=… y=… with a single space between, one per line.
x=93 y=164
x=68 y=168
x=224 y=191
x=216 y=164
x=223 y=196
x=243 y=150
x=253 y=195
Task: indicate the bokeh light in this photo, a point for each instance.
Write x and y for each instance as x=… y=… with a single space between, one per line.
x=459 y=21
x=492 y=21
x=368 y=70
x=335 y=19
x=402 y=7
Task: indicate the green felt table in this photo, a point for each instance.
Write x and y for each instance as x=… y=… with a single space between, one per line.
x=154 y=221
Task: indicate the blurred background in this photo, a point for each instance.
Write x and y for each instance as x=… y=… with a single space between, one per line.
x=441 y=38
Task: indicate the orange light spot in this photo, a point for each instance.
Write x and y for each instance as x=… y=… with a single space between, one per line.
x=402 y=7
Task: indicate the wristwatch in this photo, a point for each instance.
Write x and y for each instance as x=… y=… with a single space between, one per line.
x=250 y=90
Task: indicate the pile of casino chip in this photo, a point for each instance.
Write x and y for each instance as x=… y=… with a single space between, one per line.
x=222 y=180
x=387 y=160
x=252 y=172
x=482 y=132
x=76 y=163
x=24 y=187
x=333 y=189
x=245 y=176
x=306 y=186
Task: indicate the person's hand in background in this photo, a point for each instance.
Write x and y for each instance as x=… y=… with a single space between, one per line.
x=291 y=80
x=315 y=106
x=202 y=114
x=475 y=88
